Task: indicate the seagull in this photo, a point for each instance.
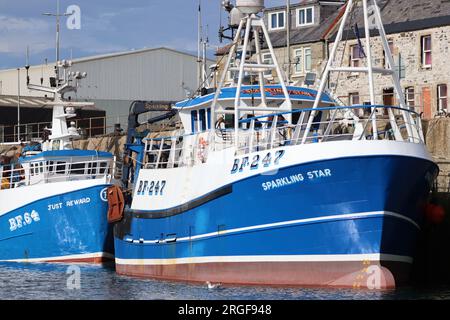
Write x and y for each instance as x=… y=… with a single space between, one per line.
x=213 y=286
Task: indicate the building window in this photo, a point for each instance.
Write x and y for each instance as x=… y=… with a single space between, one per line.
x=277 y=20
x=355 y=55
x=426 y=52
x=410 y=97
x=308 y=60
x=267 y=59
x=386 y=60
x=298 y=59
x=353 y=98
x=442 y=97
x=305 y=16
x=302 y=60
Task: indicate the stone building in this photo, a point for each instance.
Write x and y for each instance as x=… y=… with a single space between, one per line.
x=419 y=37
x=309 y=22
x=418 y=33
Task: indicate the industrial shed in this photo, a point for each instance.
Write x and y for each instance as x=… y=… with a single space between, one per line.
x=115 y=80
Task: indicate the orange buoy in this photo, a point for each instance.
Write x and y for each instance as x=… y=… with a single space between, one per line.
x=116 y=204
x=434 y=213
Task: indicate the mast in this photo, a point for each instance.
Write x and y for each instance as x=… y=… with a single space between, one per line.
x=242 y=43
x=205 y=43
x=288 y=38
x=199 y=45
x=62 y=109
x=57 y=15
x=18 y=104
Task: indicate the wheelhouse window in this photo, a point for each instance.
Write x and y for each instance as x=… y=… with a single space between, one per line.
x=103 y=167
x=56 y=144
x=356 y=55
x=202 y=114
x=201 y=120
x=92 y=168
x=277 y=20
x=60 y=168
x=410 y=96
x=77 y=168
x=442 y=97
x=426 y=51
x=50 y=167
x=305 y=16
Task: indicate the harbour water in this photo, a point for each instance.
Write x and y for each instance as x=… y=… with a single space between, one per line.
x=60 y=282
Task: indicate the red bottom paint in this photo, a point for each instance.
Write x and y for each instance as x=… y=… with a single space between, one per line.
x=362 y=274
x=90 y=260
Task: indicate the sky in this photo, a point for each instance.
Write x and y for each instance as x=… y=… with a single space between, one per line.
x=106 y=26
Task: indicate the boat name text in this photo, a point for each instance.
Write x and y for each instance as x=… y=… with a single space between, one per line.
x=240 y=164
x=296 y=178
x=20 y=221
x=68 y=203
x=151 y=188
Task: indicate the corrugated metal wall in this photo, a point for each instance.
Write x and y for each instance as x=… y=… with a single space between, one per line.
x=115 y=80
x=153 y=75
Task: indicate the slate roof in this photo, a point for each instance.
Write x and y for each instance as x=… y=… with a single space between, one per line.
x=408 y=15
x=306 y=34
x=303 y=35
x=397 y=15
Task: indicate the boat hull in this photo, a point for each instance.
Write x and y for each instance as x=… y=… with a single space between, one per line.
x=350 y=222
x=68 y=226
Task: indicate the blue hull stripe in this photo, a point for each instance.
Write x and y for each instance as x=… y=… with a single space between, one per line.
x=282 y=224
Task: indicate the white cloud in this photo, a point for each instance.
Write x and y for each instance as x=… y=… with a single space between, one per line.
x=17 y=33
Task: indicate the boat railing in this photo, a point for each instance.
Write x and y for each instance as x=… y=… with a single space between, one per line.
x=336 y=123
x=274 y=130
x=16 y=175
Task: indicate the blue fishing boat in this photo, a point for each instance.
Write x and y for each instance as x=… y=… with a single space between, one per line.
x=53 y=202
x=274 y=184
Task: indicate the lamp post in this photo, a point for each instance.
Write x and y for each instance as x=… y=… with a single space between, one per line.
x=18 y=104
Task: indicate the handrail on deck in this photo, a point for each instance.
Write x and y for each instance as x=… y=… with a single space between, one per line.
x=47 y=171
x=328 y=109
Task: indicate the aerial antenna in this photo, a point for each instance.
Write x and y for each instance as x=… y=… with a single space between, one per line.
x=232 y=25
x=220 y=20
x=199 y=44
x=58 y=16
x=27 y=64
